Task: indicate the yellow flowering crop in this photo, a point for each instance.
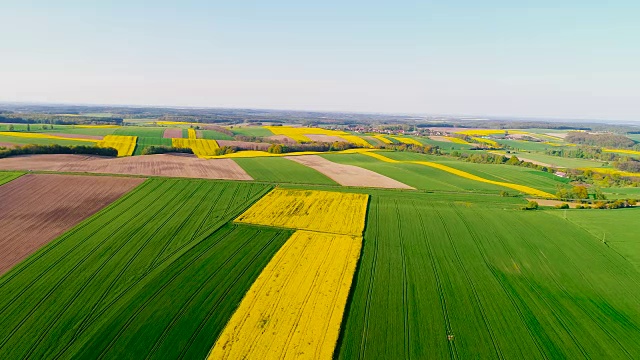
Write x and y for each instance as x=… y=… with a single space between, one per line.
x=383 y=139
x=298 y=134
x=487 y=141
x=96 y=126
x=294 y=308
x=406 y=140
x=30 y=135
x=124 y=144
x=622 y=151
x=456 y=140
x=464 y=174
x=201 y=147
x=357 y=140
x=325 y=211
x=610 y=171
x=192 y=134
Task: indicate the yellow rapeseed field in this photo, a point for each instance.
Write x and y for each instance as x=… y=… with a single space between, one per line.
x=192 y=134
x=487 y=141
x=609 y=171
x=383 y=139
x=406 y=140
x=298 y=134
x=124 y=144
x=258 y=153
x=325 y=211
x=357 y=140
x=201 y=147
x=622 y=151
x=456 y=140
x=30 y=135
x=464 y=174
x=295 y=307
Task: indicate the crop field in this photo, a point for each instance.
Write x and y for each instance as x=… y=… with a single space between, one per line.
x=37 y=208
x=414 y=175
x=215 y=135
x=434 y=283
x=563 y=162
x=191 y=134
x=140 y=131
x=282 y=170
x=6 y=176
x=406 y=140
x=383 y=138
x=613 y=228
x=295 y=306
x=200 y=147
x=40 y=138
x=251 y=131
x=348 y=175
x=62 y=298
x=323 y=211
x=457 y=172
x=144 y=142
x=462 y=145
x=526 y=145
x=124 y=144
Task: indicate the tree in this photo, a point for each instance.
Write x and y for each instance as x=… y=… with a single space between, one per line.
x=11 y=128
x=580 y=192
x=513 y=160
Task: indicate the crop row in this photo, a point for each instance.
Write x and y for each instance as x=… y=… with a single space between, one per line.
x=60 y=297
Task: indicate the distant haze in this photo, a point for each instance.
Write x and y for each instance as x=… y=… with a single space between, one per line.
x=567 y=59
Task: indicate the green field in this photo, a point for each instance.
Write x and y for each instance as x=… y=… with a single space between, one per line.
x=37 y=141
x=250 y=131
x=64 y=295
x=614 y=227
x=144 y=142
x=526 y=145
x=5 y=176
x=506 y=173
x=215 y=135
x=445 y=146
x=419 y=176
x=442 y=279
x=558 y=161
x=140 y=131
x=280 y=170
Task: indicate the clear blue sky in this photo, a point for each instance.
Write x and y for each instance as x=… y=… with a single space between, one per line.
x=569 y=58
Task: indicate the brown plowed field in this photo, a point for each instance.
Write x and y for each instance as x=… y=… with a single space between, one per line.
x=348 y=175
x=37 y=208
x=7 y=145
x=172 y=133
x=245 y=145
x=170 y=165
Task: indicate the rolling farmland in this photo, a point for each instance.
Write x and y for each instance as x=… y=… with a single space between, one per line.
x=435 y=284
x=282 y=170
x=66 y=292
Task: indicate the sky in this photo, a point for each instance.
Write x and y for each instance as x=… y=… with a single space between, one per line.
x=558 y=59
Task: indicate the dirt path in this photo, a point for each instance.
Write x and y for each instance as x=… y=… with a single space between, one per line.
x=171 y=165
x=37 y=208
x=348 y=175
x=172 y=133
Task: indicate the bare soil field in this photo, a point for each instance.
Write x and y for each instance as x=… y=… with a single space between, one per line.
x=199 y=134
x=170 y=165
x=282 y=138
x=172 y=133
x=245 y=145
x=558 y=135
x=348 y=175
x=79 y=136
x=7 y=145
x=37 y=208
x=325 y=138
